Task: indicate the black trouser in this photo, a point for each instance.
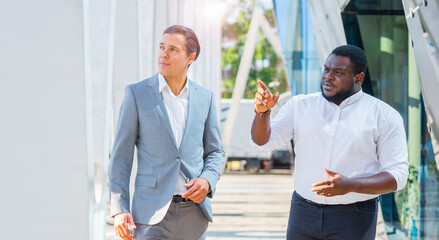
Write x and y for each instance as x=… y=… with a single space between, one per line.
x=308 y=220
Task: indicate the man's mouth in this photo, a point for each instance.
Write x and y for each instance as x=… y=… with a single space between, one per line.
x=161 y=62
x=328 y=84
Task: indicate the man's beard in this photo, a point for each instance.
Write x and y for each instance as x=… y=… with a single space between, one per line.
x=341 y=95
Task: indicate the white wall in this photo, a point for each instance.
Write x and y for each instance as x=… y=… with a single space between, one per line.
x=42 y=138
x=63 y=69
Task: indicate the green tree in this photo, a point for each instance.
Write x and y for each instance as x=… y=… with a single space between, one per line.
x=266 y=65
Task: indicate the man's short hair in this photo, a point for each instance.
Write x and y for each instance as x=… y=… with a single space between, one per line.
x=355 y=54
x=192 y=44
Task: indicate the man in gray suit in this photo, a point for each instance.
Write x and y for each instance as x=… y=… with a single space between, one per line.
x=173 y=124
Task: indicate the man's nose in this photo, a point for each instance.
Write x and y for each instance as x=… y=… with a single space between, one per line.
x=328 y=75
x=163 y=54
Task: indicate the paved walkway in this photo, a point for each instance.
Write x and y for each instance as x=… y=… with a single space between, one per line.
x=251 y=206
x=248 y=207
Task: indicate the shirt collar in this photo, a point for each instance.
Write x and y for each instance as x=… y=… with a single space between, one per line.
x=352 y=99
x=163 y=84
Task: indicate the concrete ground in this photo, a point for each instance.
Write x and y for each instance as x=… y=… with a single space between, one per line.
x=248 y=207
x=251 y=206
x=254 y=207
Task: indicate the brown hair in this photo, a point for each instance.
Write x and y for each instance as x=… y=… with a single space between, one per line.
x=192 y=44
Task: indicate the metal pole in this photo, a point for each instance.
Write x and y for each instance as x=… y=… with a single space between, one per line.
x=241 y=79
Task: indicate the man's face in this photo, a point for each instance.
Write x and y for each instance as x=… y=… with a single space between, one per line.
x=338 y=79
x=173 y=60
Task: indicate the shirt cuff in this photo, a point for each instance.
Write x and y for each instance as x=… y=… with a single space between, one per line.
x=260 y=148
x=400 y=178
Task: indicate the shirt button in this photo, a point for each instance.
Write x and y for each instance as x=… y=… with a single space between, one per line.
x=178 y=159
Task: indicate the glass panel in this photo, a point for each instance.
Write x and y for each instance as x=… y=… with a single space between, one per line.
x=296 y=33
x=386 y=44
x=379 y=27
x=374 y=5
x=385 y=41
x=429 y=188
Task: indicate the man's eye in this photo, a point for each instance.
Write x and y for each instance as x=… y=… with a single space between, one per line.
x=173 y=49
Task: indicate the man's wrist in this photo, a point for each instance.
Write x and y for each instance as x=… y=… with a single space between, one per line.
x=208 y=184
x=263 y=114
x=119 y=214
x=354 y=185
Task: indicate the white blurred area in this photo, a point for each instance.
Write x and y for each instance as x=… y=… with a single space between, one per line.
x=63 y=69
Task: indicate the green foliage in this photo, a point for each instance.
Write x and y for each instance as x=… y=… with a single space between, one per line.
x=266 y=65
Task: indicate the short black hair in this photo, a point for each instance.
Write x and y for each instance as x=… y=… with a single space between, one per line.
x=355 y=54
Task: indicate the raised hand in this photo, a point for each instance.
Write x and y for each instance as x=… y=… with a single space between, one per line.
x=264 y=99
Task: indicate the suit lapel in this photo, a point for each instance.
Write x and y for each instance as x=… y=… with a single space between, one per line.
x=163 y=113
x=190 y=111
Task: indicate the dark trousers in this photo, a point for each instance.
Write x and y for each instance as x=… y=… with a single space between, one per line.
x=312 y=221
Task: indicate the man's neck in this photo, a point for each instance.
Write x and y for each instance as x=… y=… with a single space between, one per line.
x=353 y=93
x=176 y=84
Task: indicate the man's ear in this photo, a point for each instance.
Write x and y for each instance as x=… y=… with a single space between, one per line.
x=192 y=58
x=359 y=78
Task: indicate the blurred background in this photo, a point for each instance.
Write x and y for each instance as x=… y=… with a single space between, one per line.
x=63 y=69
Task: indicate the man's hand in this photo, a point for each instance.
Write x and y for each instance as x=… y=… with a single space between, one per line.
x=121 y=222
x=337 y=185
x=264 y=99
x=199 y=188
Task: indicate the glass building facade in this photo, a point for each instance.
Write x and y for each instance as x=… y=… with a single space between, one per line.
x=379 y=27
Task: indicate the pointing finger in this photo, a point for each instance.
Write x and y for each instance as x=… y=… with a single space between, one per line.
x=262 y=91
x=262 y=84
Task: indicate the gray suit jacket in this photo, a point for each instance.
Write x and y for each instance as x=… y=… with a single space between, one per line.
x=144 y=123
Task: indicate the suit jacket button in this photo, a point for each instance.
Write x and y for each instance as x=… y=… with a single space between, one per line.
x=178 y=159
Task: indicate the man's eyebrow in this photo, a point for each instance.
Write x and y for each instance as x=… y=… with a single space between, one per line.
x=171 y=46
x=174 y=46
x=336 y=68
x=340 y=68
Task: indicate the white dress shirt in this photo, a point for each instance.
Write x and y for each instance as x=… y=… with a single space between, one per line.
x=359 y=138
x=176 y=107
